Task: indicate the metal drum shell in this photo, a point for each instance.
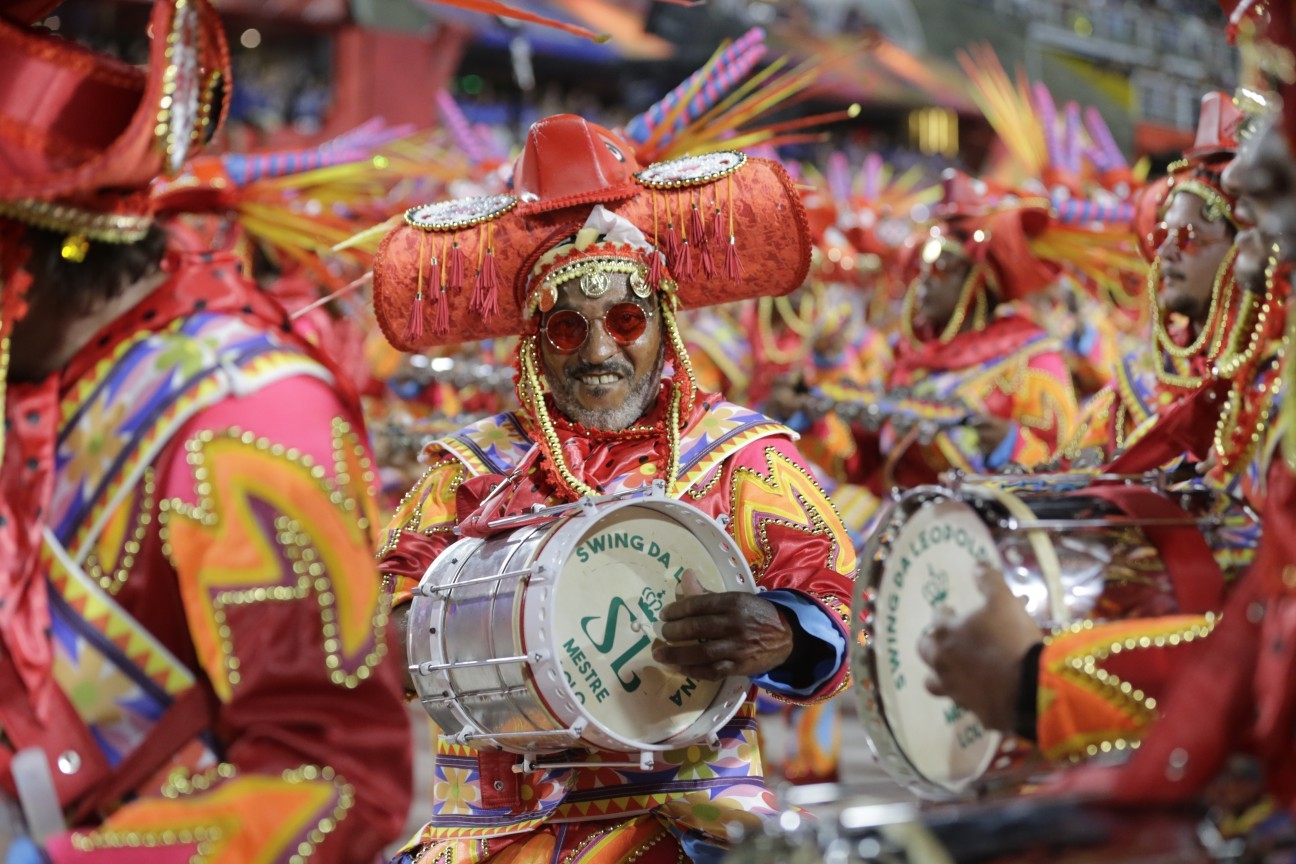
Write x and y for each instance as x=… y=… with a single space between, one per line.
x=1061 y=574
x=864 y=656
x=534 y=696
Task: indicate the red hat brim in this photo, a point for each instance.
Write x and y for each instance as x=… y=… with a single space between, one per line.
x=89 y=131
x=770 y=235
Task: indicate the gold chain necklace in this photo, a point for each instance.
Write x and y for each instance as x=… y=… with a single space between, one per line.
x=765 y=332
x=1179 y=357
x=1253 y=320
x=973 y=290
x=1221 y=299
x=1228 y=428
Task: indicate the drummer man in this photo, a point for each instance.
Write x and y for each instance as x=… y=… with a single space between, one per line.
x=609 y=405
x=1059 y=691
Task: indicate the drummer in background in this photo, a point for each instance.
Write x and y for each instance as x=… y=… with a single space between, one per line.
x=1233 y=692
x=1191 y=689
x=1191 y=289
x=965 y=343
x=609 y=405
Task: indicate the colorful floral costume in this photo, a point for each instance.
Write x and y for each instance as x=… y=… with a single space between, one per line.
x=192 y=501
x=736 y=464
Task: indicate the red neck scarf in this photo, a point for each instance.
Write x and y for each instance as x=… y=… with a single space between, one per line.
x=1000 y=338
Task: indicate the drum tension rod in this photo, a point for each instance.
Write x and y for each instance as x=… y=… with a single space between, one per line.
x=463 y=736
x=529 y=764
x=447 y=697
x=1011 y=524
x=429 y=668
x=587 y=504
x=433 y=590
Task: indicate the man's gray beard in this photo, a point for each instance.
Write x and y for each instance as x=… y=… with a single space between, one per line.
x=641 y=398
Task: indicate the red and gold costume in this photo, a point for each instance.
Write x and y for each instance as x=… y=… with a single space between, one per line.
x=1002 y=365
x=1182 y=360
x=1084 y=703
x=1233 y=692
x=191 y=630
x=727 y=460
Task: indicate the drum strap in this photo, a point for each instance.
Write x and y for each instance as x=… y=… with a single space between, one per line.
x=1189 y=561
x=499 y=782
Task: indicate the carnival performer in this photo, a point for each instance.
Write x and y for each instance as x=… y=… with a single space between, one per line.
x=990 y=381
x=1097 y=688
x=573 y=264
x=764 y=353
x=1195 y=690
x=192 y=636
x=1192 y=291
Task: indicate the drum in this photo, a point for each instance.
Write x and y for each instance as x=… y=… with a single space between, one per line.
x=538 y=638
x=1071 y=553
x=1011 y=831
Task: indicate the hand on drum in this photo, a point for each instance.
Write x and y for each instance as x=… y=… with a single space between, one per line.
x=712 y=635
x=976 y=658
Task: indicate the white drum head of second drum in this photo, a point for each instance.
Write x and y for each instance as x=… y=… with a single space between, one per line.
x=607 y=612
x=932 y=563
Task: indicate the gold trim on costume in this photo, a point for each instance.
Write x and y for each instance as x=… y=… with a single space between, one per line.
x=52 y=216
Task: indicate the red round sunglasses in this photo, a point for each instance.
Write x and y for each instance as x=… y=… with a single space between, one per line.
x=568 y=329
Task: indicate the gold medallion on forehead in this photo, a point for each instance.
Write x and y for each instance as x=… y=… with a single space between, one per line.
x=595 y=283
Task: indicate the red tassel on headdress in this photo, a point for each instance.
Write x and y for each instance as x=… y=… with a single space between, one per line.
x=708 y=263
x=733 y=266
x=672 y=247
x=685 y=266
x=455 y=267
x=655 y=273
x=441 y=318
x=717 y=228
x=414 y=328
x=696 y=229
x=434 y=276
x=485 y=298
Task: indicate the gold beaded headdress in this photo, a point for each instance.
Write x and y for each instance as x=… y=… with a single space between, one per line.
x=605 y=245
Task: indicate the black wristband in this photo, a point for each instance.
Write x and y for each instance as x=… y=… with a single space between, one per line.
x=1028 y=694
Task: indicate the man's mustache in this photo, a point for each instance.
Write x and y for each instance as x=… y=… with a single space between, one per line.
x=622 y=369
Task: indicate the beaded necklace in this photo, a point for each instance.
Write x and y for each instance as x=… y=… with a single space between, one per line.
x=1214 y=330
x=1253 y=317
x=1246 y=413
x=531 y=391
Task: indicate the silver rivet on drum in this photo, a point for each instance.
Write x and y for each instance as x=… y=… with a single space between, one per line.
x=1176 y=763
x=1255 y=613
x=69 y=762
x=499 y=785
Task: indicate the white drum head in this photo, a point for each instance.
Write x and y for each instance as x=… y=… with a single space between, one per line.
x=609 y=598
x=931 y=564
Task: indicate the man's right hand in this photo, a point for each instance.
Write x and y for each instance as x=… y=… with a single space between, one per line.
x=976 y=658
